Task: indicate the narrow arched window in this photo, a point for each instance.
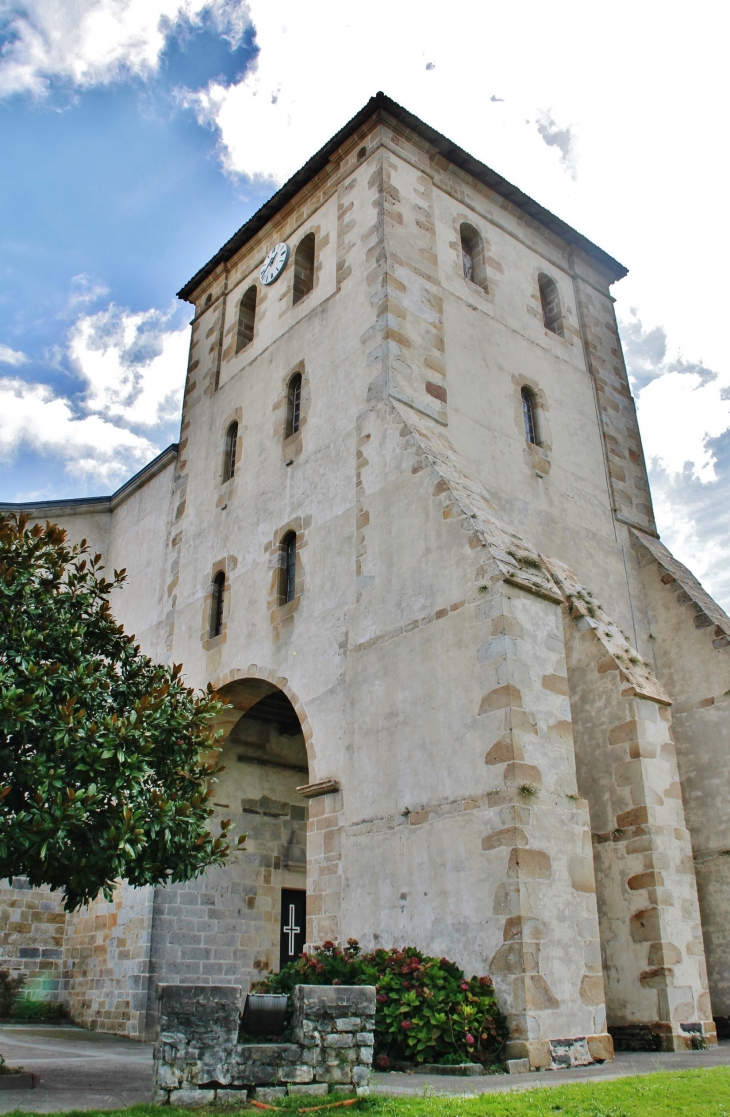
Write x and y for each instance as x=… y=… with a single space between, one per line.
x=216 y=607
x=289 y=568
x=304 y=267
x=552 y=314
x=294 y=405
x=528 y=415
x=473 y=259
x=246 y=319
x=229 y=465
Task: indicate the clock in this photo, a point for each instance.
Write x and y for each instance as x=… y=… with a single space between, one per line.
x=274 y=264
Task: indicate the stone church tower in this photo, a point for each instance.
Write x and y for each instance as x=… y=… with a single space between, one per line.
x=476 y=705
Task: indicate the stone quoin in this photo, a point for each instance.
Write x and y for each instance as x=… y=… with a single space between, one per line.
x=476 y=705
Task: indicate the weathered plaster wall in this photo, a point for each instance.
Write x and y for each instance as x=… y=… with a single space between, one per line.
x=691 y=647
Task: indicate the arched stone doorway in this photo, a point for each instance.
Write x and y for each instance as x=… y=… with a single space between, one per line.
x=227 y=927
x=264 y=756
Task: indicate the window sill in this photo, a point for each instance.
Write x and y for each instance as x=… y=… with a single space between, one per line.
x=281 y=612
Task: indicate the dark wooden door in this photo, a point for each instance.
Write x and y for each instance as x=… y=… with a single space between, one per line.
x=293 y=924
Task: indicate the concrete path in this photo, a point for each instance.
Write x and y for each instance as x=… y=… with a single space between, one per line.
x=624 y=1065
x=78 y=1069
x=86 y=1070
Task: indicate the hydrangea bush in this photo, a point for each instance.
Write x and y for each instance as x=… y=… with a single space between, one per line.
x=426 y=1010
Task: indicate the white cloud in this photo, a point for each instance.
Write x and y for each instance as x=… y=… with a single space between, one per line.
x=31 y=415
x=563 y=138
x=681 y=405
x=92 y=42
x=133 y=366
x=684 y=416
x=10 y=356
x=85 y=290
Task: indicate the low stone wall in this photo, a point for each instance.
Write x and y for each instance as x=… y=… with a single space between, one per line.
x=198 y=1058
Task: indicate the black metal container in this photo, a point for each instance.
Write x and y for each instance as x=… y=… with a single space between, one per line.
x=264 y=1013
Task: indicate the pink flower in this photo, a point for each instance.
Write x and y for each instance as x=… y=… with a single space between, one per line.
x=406 y=1024
x=470 y=1039
x=464 y=985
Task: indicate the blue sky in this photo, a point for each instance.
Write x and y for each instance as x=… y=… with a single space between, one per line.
x=137 y=135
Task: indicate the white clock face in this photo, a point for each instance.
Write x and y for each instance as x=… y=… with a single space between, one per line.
x=274 y=264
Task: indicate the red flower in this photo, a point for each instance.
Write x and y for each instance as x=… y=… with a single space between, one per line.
x=406 y=1024
x=381 y=998
x=327 y=944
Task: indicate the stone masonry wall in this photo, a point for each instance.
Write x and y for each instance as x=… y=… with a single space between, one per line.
x=106 y=962
x=32 y=924
x=651 y=935
x=199 y=1060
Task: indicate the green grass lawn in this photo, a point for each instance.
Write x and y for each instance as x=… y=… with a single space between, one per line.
x=689 y=1093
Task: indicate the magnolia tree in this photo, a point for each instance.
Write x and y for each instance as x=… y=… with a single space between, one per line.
x=106 y=758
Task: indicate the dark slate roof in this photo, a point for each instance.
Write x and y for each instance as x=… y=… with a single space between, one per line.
x=450 y=151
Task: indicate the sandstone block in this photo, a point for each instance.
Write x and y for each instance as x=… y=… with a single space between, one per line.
x=646 y=925
x=591 y=989
x=532 y=992
x=509 y=836
x=531 y=864
x=558 y=684
x=516 y=774
x=500 y=698
x=601 y=1047
x=581 y=873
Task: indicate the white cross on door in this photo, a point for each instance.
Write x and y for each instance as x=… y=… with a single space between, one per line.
x=292 y=929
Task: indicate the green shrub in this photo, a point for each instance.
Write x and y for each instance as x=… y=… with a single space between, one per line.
x=10 y=990
x=426 y=1010
x=26 y=1009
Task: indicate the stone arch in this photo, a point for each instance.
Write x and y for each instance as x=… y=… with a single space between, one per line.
x=242 y=698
